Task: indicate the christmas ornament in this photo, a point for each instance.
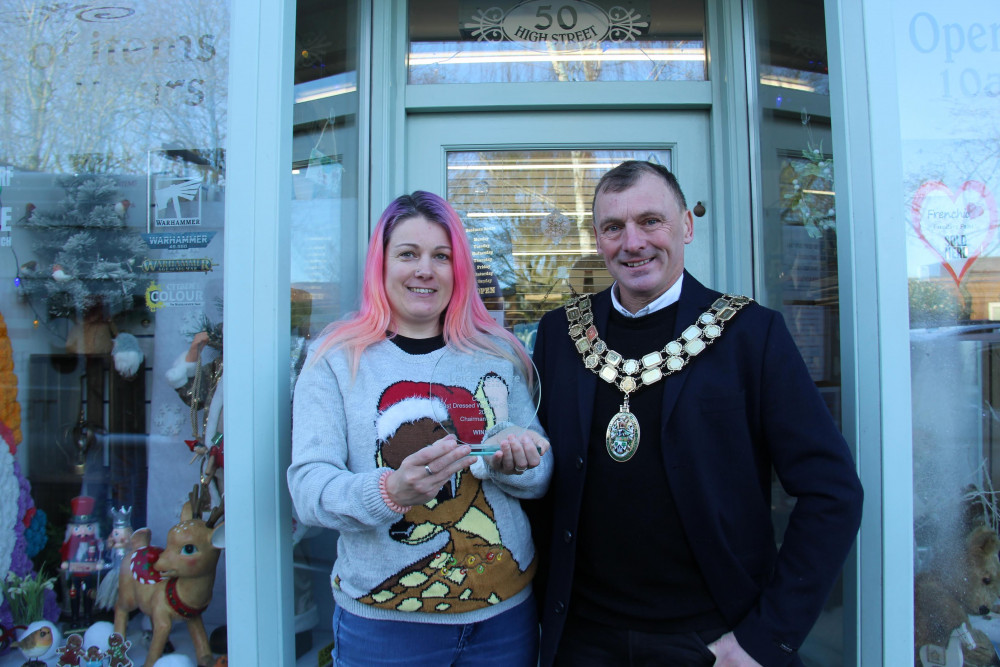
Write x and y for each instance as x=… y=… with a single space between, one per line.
x=174 y=583
x=93 y=657
x=83 y=435
x=127 y=355
x=81 y=554
x=117 y=653
x=117 y=548
x=71 y=653
x=38 y=642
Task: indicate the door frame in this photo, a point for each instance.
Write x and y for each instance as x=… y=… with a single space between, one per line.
x=730 y=102
x=723 y=97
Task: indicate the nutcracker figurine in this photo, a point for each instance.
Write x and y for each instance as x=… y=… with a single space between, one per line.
x=121 y=533
x=116 y=547
x=81 y=558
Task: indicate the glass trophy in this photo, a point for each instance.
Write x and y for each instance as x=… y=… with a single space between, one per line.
x=499 y=400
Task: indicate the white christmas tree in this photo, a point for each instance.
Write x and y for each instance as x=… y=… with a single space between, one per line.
x=87 y=258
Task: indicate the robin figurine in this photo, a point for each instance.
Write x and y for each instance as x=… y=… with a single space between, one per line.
x=36 y=642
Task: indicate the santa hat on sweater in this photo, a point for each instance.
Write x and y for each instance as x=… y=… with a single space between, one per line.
x=406 y=402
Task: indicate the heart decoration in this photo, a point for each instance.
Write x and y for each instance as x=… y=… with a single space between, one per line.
x=957 y=226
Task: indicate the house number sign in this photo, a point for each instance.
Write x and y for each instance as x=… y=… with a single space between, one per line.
x=563 y=24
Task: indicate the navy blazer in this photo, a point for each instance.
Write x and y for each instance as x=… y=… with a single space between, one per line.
x=743 y=406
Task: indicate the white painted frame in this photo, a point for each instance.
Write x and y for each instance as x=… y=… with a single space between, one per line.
x=874 y=310
x=872 y=258
x=257 y=312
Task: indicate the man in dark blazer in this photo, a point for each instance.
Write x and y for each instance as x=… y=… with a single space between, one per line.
x=656 y=537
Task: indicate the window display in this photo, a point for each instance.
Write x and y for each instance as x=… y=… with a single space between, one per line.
x=112 y=180
x=950 y=177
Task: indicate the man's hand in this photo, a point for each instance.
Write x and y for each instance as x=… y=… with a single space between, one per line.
x=729 y=653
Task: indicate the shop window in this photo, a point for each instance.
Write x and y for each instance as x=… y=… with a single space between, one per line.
x=950 y=177
x=460 y=41
x=112 y=181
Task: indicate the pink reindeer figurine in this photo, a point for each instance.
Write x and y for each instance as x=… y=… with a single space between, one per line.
x=173 y=583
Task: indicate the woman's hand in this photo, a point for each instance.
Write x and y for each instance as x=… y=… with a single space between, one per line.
x=422 y=474
x=519 y=452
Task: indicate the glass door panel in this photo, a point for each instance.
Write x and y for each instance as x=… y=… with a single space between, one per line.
x=798 y=234
x=950 y=182
x=325 y=233
x=527 y=213
x=526 y=202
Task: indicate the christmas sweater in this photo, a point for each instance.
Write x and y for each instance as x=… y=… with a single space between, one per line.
x=464 y=556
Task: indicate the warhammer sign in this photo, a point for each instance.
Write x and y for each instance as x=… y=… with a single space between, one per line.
x=177 y=200
x=176 y=265
x=567 y=25
x=181 y=241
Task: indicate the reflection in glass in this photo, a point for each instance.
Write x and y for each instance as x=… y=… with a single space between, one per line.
x=325 y=161
x=325 y=229
x=529 y=221
x=457 y=41
x=791 y=45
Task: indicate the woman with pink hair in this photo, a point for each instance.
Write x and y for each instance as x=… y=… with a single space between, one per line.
x=434 y=557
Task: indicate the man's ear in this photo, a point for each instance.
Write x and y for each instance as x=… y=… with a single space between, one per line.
x=597 y=241
x=688 y=226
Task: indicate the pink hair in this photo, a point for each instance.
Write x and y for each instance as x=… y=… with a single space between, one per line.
x=467 y=325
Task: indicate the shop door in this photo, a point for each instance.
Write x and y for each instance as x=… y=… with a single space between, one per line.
x=523 y=184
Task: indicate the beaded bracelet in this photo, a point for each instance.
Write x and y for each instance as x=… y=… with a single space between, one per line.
x=401 y=509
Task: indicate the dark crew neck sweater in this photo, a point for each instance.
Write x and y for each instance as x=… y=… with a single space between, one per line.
x=634 y=566
x=418 y=345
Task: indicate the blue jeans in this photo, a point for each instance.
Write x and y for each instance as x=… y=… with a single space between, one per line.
x=507 y=640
